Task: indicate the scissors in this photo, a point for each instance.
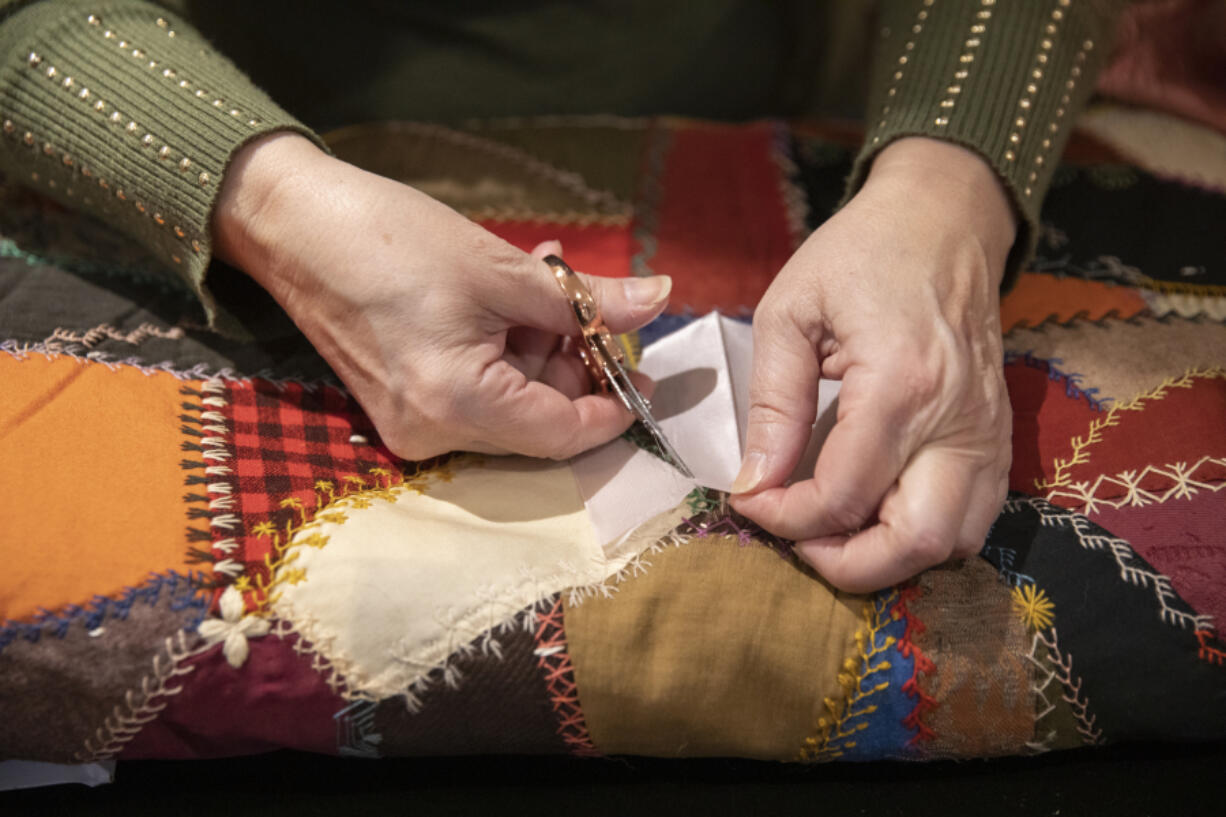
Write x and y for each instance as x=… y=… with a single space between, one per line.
x=603 y=356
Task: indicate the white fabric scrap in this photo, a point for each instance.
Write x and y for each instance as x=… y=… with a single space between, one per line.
x=701 y=403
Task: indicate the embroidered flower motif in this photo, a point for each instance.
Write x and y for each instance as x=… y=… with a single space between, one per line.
x=1035 y=608
x=233 y=628
x=263 y=529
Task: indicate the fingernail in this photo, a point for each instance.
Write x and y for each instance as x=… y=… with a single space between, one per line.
x=752 y=471
x=647 y=291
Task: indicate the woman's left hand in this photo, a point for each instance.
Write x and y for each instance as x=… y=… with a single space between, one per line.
x=896 y=296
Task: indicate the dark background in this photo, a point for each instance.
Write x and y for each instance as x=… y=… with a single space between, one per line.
x=1184 y=780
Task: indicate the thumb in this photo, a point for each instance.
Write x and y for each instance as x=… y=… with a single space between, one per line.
x=782 y=403
x=532 y=297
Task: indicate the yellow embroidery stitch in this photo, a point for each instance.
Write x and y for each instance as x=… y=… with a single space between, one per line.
x=1080 y=445
x=261 y=589
x=835 y=732
x=1033 y=606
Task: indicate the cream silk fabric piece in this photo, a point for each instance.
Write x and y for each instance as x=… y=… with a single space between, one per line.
x=404 y=582
x=701 y=402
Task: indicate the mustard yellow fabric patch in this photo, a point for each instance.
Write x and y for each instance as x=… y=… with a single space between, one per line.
x=717 y=649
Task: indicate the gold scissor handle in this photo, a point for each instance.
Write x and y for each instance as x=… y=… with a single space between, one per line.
x=599 y=348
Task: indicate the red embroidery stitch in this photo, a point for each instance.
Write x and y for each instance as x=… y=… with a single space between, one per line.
x=554 y=660
x=924 y=702
x=1214 y=655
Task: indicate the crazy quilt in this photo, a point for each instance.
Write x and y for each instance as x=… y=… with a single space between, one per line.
x=207 y=551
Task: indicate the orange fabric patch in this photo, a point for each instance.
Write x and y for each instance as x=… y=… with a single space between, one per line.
x=91 y=489
x=1038 y=296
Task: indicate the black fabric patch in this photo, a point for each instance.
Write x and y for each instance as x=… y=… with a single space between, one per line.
x=1114 y=222
x=1134 y=648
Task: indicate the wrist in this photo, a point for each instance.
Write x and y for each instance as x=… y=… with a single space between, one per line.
x=253 y=215
x=953 y=185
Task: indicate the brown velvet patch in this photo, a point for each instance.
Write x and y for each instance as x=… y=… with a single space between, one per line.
x=498 y=706
x=982 y=681
x=1125 y=358
x=58 y=692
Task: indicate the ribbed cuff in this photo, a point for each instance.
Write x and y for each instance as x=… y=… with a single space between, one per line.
x=120 y=109
x=1002 y=79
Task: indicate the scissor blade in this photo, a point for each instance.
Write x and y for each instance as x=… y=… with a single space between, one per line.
x=633 y=400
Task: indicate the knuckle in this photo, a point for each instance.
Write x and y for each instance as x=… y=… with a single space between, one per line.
x=919 y=384
x=561 y=446
x=770 y=407
x=929 y=546
x=844 y=514
x=415 y=445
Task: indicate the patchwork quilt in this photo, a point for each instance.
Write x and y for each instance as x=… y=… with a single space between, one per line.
x=206 y=550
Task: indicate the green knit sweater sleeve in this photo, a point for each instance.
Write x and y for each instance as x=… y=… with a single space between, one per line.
x=120 y=109
x=1004 y=79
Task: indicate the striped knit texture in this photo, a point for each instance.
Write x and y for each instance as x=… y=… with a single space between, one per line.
x=124 y=111
x=1004 y=79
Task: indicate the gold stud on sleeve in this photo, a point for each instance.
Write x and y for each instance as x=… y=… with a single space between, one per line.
x=916 y=28
x=965 y=60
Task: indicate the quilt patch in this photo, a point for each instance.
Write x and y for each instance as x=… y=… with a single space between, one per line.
x=91 y=484
x=1109 y=603
x=208 y=551
x=640 y=645
x=496 y=698
x=78 y=685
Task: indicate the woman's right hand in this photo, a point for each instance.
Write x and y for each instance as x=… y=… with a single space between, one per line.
x=449 y=337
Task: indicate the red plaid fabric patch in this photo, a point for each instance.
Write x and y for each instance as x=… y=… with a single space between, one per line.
x=286 y=438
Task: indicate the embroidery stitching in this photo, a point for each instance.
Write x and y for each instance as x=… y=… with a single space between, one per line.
x=1032 y=606
x=906 y=646
x=207 y=436
x=1080 y=445
x=795 y=199
x=1213 y=655
x=554 y=661
x=845 y=717
x=186 y=592
x=1043 y=676
x=104 y=331
x=1181 y=484
x=142 y=705
x=1054 y=516
x=648 y=199
x=1073 y=694
x=20 y=350
x=1071 y=380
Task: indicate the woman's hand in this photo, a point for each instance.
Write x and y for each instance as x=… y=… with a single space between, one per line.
x=448 y=336
x=897 y=296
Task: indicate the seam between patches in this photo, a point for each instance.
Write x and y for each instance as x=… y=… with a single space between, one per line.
x=144 y=703
x=210 y=481
x=20 y=350
x=183 y=589
x=836 y=731
x=554 y=661
x=1121 y=551
x=1080 y=444
x=921 y=664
